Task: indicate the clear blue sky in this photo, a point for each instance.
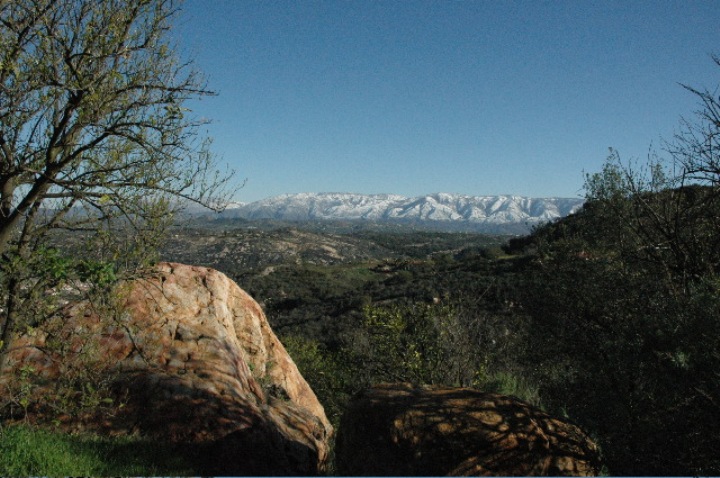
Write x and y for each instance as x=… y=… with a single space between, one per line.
x=414 y=97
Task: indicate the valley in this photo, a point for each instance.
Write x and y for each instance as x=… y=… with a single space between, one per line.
x=315 y=278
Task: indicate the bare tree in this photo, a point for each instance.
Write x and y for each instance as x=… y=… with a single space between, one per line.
x=91 y=114
x=696 y=148
x=668 y=206
x=94 y=130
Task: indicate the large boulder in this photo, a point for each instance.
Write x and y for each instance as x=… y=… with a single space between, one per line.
x=193 y=361
x=402 y=430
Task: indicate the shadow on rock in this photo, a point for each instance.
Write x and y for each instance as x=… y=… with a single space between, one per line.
x=400 y=429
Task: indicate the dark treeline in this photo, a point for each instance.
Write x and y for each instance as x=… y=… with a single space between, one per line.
x=605 y=317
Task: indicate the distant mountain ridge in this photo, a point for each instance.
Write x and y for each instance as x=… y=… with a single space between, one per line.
x=480 y=213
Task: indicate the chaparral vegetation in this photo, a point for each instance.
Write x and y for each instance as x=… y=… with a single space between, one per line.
x=609 y=317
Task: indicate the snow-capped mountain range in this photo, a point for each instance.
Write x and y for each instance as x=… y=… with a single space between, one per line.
x=477 y=212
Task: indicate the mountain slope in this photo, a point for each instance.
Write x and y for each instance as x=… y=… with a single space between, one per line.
x=476 y=211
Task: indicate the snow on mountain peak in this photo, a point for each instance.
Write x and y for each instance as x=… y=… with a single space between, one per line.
x=435 y=208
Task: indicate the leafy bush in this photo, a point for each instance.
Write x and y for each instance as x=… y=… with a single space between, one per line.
x=425 y=344
x=624 y=299
x=327 y=373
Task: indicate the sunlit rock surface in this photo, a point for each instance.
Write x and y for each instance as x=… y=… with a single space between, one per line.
x=196 y=362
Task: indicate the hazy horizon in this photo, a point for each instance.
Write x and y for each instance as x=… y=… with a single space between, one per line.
x=421 y=195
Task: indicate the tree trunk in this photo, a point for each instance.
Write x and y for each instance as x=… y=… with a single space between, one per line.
x=8 y=320
x=7 y=190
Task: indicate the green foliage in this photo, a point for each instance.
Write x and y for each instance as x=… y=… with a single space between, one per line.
x=94 y=144
x=109 y=135
x=34 y=287
x=511 y=383
x=328 y=373
x=409 y=344
x=435 y=344
x=624 y=303
x=326 y=302
x=57 y=268
x=424 y=344
x=37 y=288
x=27 y=451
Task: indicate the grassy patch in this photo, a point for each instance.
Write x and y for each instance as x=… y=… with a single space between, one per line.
x=26 y=451
x=507 y=383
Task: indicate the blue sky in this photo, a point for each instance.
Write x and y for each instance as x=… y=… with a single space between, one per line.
x=471 y=97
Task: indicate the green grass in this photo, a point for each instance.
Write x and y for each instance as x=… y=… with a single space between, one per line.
x=508 y=383
x=26 y=451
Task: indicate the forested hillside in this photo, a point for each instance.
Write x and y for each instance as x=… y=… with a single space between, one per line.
x=365 y=305
x=312 y=281
x=608 y=317
x=623 y=312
